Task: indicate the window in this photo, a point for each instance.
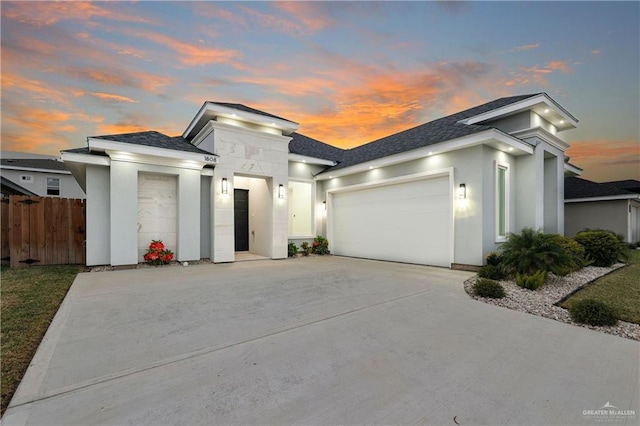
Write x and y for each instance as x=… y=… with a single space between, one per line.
x=26 y=179
x=502 y=202
x=53 y=186
x=300 y=201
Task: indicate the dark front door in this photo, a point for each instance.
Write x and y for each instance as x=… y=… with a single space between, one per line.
x=241 y=218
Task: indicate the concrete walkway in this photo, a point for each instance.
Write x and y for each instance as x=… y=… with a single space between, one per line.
x=322 y=340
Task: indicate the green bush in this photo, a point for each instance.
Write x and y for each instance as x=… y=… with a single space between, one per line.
x=492 y=272
x=320 y=245
x=305 y=249
x=593 y=312
x=488 y=288
x=531 y=282
x=292 y=249
x=532 y=251
x=603 y=247
x=494 y=259
x=575 y=251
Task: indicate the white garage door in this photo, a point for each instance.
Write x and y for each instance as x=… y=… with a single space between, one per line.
x=157 y=211
x=405 y=222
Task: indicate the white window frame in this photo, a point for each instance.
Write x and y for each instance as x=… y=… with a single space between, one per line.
x=507 y=200
x=46 y=183
x=313 y=208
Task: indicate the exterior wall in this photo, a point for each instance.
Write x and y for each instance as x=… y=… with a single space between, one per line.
x=524 y=185
x=98 y=240
x=551 y=195
x=610 y=215
x=259 y=213
x=205 y=216
x=69 y=187
x=513 y=123
x=468 y=222
x=250 y=153
x=124 y=204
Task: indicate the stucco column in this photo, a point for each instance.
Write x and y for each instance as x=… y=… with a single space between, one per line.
x=124 y=213
x=222 y=233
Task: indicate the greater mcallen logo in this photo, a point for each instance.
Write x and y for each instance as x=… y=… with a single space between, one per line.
x=609 y=413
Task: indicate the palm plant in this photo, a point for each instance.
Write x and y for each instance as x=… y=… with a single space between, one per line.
x=532 y=251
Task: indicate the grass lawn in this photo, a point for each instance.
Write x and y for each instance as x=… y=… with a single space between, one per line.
x=29 y=299
x=620 y=290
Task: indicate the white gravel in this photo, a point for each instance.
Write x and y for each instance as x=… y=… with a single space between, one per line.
x=542 y=301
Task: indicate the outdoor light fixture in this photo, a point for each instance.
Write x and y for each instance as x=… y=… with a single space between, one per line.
x=462 y=191
x=281 y=191
x=225 y=186
x=325 y=205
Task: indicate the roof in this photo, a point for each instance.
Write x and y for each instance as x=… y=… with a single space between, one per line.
x=34 y=163
x=309 y=147
x=431 y=133
x=154 y=139
x=11 y=188
x=575 y=188
x=245 y=108
x=628 y=184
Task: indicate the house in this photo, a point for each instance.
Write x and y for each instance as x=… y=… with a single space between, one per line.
x=37 y=175
x=444 y=193
x=614 y=206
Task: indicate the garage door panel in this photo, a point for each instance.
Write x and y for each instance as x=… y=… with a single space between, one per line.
x=407 y=222
x=157 y=211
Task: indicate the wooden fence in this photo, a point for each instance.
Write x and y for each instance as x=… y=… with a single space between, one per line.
x=42 y=231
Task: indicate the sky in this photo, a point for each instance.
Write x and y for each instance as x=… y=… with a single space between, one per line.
x=347 y=72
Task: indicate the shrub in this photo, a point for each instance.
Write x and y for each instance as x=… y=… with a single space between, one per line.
x=488 y=288
x=492 y=272
x=305 y=248
x=531 y=282
x=533 y=251
x=603 y=247
x=158 y=255
x=494 y=259
x=593 y=312
x=320 y=245
x=292 y=249
x=575 y=251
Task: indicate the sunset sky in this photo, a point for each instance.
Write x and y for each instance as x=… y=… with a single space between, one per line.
x=348 y=72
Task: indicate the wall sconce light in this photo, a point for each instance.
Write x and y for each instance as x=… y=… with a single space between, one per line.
x=462 y=191
x=324 y=203
x=281 y=191
x=225 y=186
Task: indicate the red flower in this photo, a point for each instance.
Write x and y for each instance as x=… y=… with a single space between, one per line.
x=315 y=244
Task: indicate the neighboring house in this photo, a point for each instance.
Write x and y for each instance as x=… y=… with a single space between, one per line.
x=605 y=205
x=444 y=193
x=40 y=175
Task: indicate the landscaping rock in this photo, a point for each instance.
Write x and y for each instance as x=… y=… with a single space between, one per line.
x=542 y=301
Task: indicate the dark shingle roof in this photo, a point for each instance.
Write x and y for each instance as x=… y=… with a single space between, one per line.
x=628 y=184
x=245 y=108
x=85 y=150
x=304 y=145
x=575 y=187
x=156 y=140
x=35 y=163
x=11 y=188
x=431 y=133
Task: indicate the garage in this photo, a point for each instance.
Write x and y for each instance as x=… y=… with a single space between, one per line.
x=157 y=211
x=409 y=221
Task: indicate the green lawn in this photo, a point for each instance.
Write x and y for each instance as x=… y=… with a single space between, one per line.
x=29 y=299
x=620 y=290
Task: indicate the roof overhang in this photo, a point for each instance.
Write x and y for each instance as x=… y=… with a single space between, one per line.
x=33 y=169
x=541 y=104
x=492 y=137
x=121 y=151
x=210 y=111
x=572 y=170
x=311 y=160
x=605 y=198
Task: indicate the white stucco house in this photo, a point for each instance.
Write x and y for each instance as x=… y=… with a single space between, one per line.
x=444 y=193
x=614 y=206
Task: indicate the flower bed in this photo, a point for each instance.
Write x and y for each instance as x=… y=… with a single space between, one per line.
x=542 y=302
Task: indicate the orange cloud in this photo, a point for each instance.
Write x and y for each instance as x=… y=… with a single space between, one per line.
x=213 y=11
x=129 y=127
x=112 y=97
x=561 y=66
x=310 y=14
x=39 y=14
x=121 y=78
x=36 y=89
x=191 y=54
x=607 y=159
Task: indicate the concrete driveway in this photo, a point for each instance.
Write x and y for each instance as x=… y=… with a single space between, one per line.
x=323 y=340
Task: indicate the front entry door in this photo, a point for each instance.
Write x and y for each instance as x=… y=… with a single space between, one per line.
x=241 y=219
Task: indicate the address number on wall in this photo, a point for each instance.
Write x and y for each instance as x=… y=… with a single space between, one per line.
x=210 y=159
